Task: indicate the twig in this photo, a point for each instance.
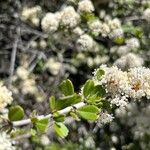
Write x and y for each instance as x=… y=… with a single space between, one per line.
x=13 y=56
x=133 y=18
x=63 y=111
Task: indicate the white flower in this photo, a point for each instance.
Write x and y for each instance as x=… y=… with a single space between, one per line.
x=120 y=86
x=114 y=139
x=116 y=33
x=43 y=44
x=90 y=61
x=114 y=80
x=35 y=21
x=85 y=6
x=5 y=97
x=31 y=14
x=122 y=50
x=85 y=42
x=89 y=142
x=137 y=117
x=139 y=80
x=33 y=44
x=53 y=66
x=114 y=24
x=29 y=86
x=22 y=73
x=69 y=17
x=120 y=101
x=105 y=30
x=107 y=19
x=94 y=26
x=112 y=148
x=133 y=43
x=102 y=14
x=78 y=31
x=129 y=61
x=5 y=142
x=45 y=140
x=105 y=118
x=146 y=14
x=50 y=22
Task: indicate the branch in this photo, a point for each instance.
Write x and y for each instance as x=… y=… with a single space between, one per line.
x=63 y=111
x=13 y=56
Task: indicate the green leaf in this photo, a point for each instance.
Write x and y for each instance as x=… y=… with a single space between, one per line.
x=52 y=103
x=99 y=91
x=138 y=32
x=88 y=87
x=58 y=117
x=105 y=104
x=75 y=116
x=88 y=17
x=119 y=40
x=66 y=87
x=33 y=132
x=90 y=90
x=42 y=124
x=94 y=99
x=15 y=113
x=61 y=129
x=67 y=101
x=89 y=112
x=99 y=73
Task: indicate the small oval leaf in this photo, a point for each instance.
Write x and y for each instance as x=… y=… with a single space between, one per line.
x=61 y=129
x=89 y=112
x=42 y=125
x=66 y=87
x=52 y=103
x=15 y=113
x=88 y=87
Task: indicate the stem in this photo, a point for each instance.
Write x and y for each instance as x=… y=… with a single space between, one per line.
x=63 y=111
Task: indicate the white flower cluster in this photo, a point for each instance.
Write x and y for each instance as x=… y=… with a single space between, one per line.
x=122 y=50
x=130 y=60
x=45 y=140
x=41 y=44
x=50 y=22
x=91 y=61
x=22 y=73
x=85 y=42
x=5 y=142
x=133 y=43
x=105 y=118
x=139 y=82
x=78 y=31
x=5 y=97
x=67 y=18
x=53 y=66
x=94 y=26
x=31 y=15
x=146 y=14
x=111 y=28
x=85 y=6
x=28 y=84
x=122 y=85
x=124 y=1
x=137 y=117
